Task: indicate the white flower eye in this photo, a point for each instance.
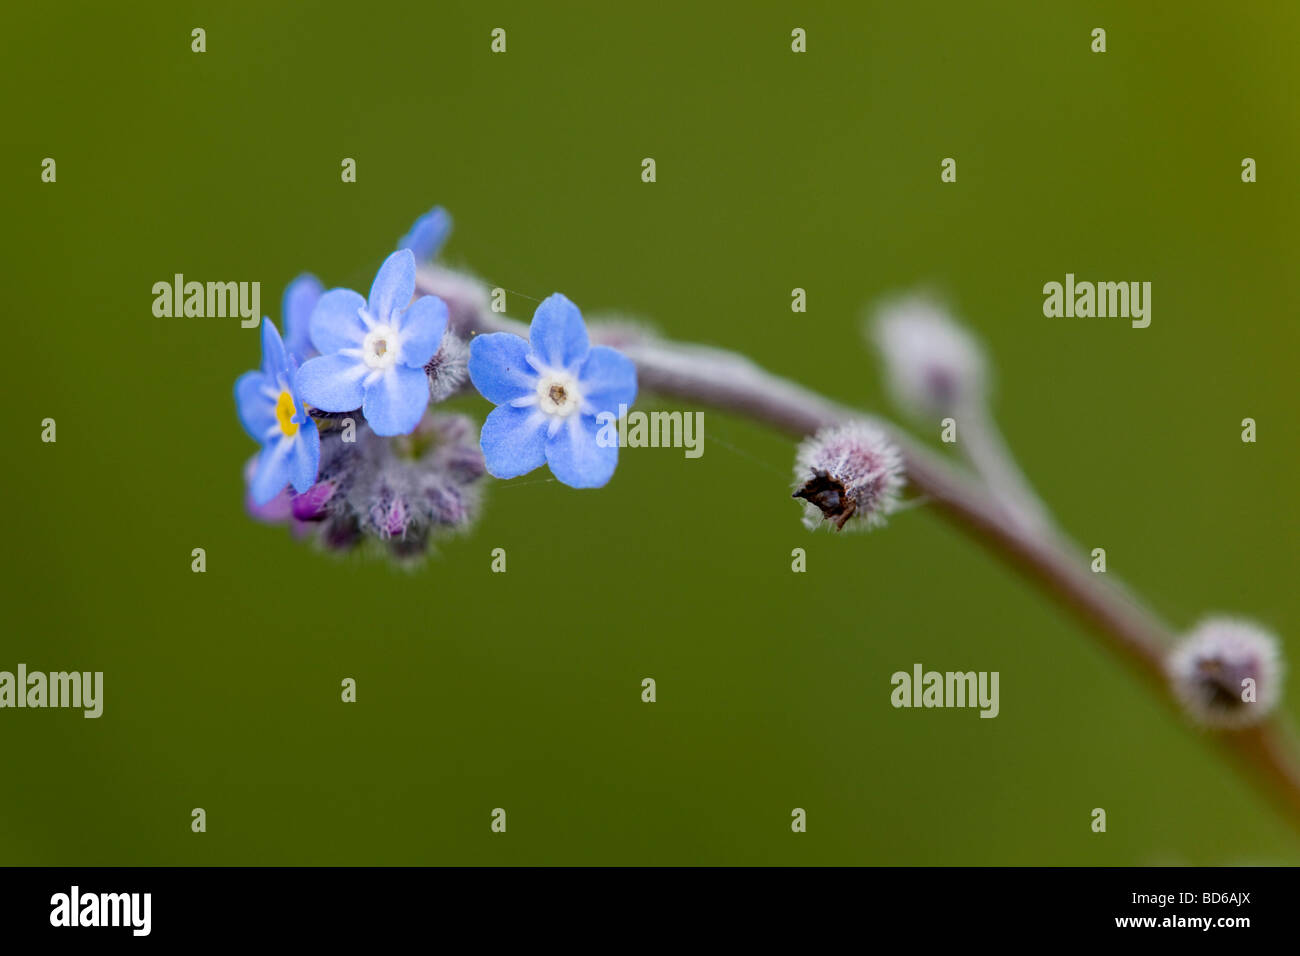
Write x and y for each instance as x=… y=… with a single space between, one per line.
x=379 y=350
x=557 y=394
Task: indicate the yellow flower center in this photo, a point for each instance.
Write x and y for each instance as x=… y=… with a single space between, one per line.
x=284 y=412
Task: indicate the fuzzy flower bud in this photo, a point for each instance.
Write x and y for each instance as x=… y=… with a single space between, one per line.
x=448 y=369
x=398 y=491
x=848 y=474
x=1227 y=672
x=313 y=504
x=933 y=365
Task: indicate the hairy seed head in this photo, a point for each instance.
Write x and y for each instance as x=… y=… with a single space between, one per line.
x=1226 y=672
x=849 y=475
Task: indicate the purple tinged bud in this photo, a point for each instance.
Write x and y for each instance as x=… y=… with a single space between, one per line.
x=399 y=491
x=1227 y=673
x=464 y=463
x=849 y=475
x=447 y=506
x=312 y=504
x=394 y=523
x=933 y=366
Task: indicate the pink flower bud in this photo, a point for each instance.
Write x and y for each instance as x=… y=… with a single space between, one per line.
x=311 y=504
x=933 y=365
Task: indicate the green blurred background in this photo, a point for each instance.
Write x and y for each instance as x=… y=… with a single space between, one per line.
x=522 y=691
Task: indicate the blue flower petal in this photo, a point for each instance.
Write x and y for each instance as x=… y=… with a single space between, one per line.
x=273 y=471
x=513 y=441
x=607 y=380
x=300 y=297
x=256 y=408
x=576 y=458
x=332 y=382
x=275 y=511
x=427 y=234
x=499 y=369
x=421 y=330
x=275 y=362
x=557 y=335
x=396 y=401
x=335 y=324
x=393 y=286
x=304 y=457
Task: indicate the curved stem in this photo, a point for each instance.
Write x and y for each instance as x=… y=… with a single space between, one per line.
x=741 y=387
x=731 y=382
x=986 y=451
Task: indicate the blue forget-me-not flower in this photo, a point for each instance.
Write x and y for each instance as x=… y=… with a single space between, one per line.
x=427 y=234
x=273 y=414
x=300 y=298
x=373 y=352
x=549 y=390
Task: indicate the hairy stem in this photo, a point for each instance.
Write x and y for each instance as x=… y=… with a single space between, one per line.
x=725 y=380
